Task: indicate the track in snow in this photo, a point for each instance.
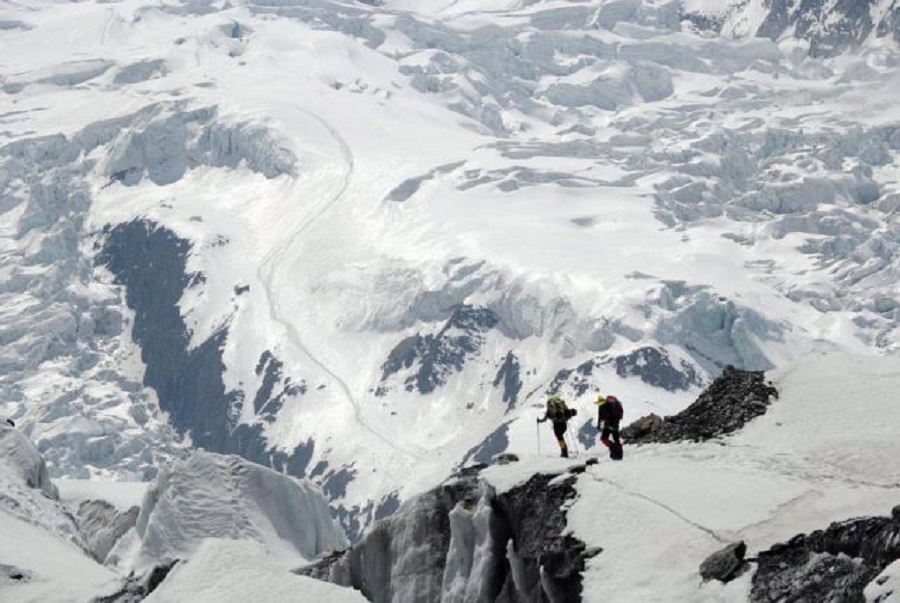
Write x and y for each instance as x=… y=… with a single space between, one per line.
x=269 y=266
x=711 y=533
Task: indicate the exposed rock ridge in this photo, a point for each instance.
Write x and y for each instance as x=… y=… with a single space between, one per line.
x=835 y=564
x=732 y=400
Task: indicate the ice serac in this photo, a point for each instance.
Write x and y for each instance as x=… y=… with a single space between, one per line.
x=23 y=461
x=102 y=525
x=26 y=491
x=213 y=496
x=464 y=541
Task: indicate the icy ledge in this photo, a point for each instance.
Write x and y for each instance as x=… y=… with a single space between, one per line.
x=468 y=541
x=209 y=495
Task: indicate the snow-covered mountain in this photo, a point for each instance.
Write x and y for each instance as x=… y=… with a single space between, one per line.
x=359 y=242
x=796 y=501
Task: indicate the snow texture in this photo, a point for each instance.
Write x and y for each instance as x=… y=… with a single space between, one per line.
x=394 y=199
x=213 y=496
x=464 y=542
x=242 y=570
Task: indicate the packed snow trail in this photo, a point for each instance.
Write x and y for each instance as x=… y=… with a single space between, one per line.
x=268 y=269
x=711 y=533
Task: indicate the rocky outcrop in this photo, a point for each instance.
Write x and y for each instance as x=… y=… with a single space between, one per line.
x=656 y=367
x=732 y=400
x=725 y=565
x=429 y=360
x=835 y=564
x=464 y=542
x=14 y=574
x=545 y=563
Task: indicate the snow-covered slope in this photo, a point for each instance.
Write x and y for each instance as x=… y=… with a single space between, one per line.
x=823 y=452
x=358 y=242
x=236 y=570
x=43 y=554
x=51 y=549
x=638 y=530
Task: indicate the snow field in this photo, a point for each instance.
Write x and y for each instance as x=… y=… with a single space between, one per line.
x=242 y=570
x=663 y=510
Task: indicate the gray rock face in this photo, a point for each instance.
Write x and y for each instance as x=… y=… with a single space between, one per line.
x=732 y=400
x=434 y=357
x=494 y=444
x=653 y=366
x=151 y=263
x=834 y=564
x=831 y=28
x=462 y=541
x=509 y=376
x=724 y=565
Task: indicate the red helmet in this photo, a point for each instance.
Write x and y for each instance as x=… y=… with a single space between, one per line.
x=611 y=398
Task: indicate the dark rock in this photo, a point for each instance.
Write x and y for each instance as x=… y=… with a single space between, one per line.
x=895 y=513
x=509 y=376
x=10 y=423
x=732 y=400
x=725 y=565
x=496 y=443
x=644 y=427
x=470 y=470
x=834 y=564
x=654 y=367
x=506 y=459
x=16 y=574
x=434 y=357
x=579 y=379
x=537 y=527
x=593 y=461
x=136 y=588
x=831 y=28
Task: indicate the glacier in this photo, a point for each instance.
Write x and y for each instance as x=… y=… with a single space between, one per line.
x=358 y=242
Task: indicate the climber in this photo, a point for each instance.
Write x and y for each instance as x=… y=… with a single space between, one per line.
x=559 y=414
x=609 y=415
x=10 y=422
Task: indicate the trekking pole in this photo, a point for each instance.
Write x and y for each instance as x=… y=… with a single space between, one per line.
x=537 y=432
